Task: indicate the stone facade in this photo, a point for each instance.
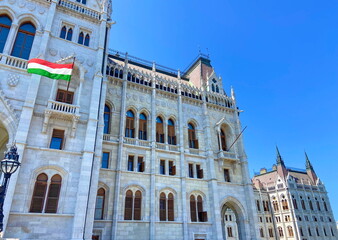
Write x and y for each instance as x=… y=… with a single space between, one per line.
x=298 y=204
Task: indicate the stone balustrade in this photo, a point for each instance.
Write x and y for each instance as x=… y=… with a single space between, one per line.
x=13 y=61
x=62 y=107
x=79 y=9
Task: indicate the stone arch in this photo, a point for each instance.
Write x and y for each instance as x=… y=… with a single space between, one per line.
x=110 y=104
x=167 y=190
x=27 y=17
x=146 y=112
x=239 y=211
x=7 y=11
x=8 y=119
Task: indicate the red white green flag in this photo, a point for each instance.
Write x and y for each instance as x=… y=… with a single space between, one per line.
x=50 y=70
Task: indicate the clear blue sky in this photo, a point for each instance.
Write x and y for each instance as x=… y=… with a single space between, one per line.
x=280 y=56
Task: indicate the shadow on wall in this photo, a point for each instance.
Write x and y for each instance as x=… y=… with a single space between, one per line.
x=3 y=140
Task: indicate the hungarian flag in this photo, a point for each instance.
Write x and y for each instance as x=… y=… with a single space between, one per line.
x=50 y=70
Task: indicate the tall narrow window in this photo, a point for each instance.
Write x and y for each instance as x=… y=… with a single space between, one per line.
x=64 y=96
x=275 y=206
x=140 y=164
x=325 y=206
x=130 y=163
x=317 y=231
x=99 y=206
x=193 y=142
x=171 y=132
x=162 y=167
x=159 y=130
x=172 y=168
x=81 y=37
x=318 y=206
x=217 y=89
x=163 y=207
x=137 y=205
x=199 y=171
x=191 y=170
x=87 y=39
x=303 y=204
x=106 y=118
x=57 y=139
x=202 y=216
x=285 y=204
x=261 y=231
x=39 y=193
x=229 y=231
x=280 y=231
x=142 y=127
x=310 y=204
x=171 y=215
x=69 y=34
x=258 y=205
x=270 y=232
x=105 y=160
x=53 y=194
x=130 y=124
x=295 y=205
x=5 y=25
x=63 y=32
x=226 y=175
x=24 y=41
x=290 y=231
x=193 y=209
x=128 y=206
x=223 y=141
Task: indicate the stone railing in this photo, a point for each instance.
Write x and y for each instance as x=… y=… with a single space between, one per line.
x=227 y=155
x=106 y=137
x=62 y=107
x=174 y=148
x=79 y=9
x=13 y=61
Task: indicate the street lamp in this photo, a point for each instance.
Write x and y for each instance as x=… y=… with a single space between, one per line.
x=8 y=166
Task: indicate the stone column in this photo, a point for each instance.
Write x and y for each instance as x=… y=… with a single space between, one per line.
x=153 y=159
x=116 y=204
x=10 y=41
x=183 y=165
x=26 y=118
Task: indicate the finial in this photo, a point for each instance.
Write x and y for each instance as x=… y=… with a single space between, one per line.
x=154 y=66
x=279 y=159
x=179 y=74
x=126 y=58
x=233 y=96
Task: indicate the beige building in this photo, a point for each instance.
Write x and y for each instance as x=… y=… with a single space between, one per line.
x=292 y=202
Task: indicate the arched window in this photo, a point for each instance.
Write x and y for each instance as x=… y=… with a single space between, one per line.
x=63 y=32
x=332 y=233
x=275 y=206
x=171 y=215
x=5 y=25
x=301 y=231
x=229 y=231
x=159 y=130
x=309 y=230
x=70 y=34
x=280 y=231
x=163 y=207
x=270 y=232
x=200 y=209
x=261 y=231
x=285 y=205
x=121 y=74
x=217 y=89
x=325 y=206
x=137 y=205
x=295 y=203
x=303 y=204
x=24 y=41
x=129 y=76
x=171 y=132
x=290 y=231
x=142 y=134
x=213 y=87
x=324 y=230
x=193 y=142
x=81 y=37
x=87 y=39
x=193 y=211
x=317 y=231
x=116 y=73
x=318 y=206
x=53 y=194
x=130 y=129
x=106 y=118
x=99 y=206
x=39 y=193
x=128 y=206
x=223 y=141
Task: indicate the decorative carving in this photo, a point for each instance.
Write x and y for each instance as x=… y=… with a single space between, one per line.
x=41 y=10
x=80 y=59
x=22 y=3
x=13 y=80
x=90 y=62
x=11 y=1
x=31 y=7
x=53 y=51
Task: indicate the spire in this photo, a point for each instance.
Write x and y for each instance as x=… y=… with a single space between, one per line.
x=279 y=159
x=308 y=163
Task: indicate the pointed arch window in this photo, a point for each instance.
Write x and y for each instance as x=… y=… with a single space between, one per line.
x=133 y=205
x=193 y=142
x=106 y=118
x=87 y=39
x=142 y=134
x=171 y=132
x=63 y=32
x=5 y=25
x=166 y=207
x=213 y=87
x=69 y=34
x=285 y=205
x=130 y=123
x=270 y=232
x=116 y=73
x=137 y=205
x=39 y=194
x=229 y=231
x=24 y=41
x=223 y=141
x=128 y=206
x=196 y=209
x=290 y=231
x=318 y=206
x=303 y=204
x=159 y=130
x=275 y=206
x=163 y=207
x=81 y=37
x=261 y=231
x=217 y=89
x=280 y=231
x=99 y=206
x=193 y=211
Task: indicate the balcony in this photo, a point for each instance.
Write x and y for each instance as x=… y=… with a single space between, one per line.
x=63 y=111
x=136 y=142
x=13 y=62
x=227 y=156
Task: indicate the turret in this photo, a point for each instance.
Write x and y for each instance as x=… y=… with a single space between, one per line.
x=281 y=169
x=309 y=169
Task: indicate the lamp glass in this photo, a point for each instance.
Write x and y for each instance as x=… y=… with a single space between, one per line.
x=9 y=166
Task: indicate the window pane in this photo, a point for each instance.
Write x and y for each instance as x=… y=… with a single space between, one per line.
x=105 y=160
x=56 y=143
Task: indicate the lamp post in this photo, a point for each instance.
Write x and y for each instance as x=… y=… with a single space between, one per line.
x=8 y=166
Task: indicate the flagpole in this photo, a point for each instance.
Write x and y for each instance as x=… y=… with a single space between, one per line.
x=70 y=78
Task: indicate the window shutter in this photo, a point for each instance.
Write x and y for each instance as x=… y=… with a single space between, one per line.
x=39 y=193
x=58 y=133
x=70 y=96
x=196 y=143
x=171 y=207
x=200 y=208
x=173 y=170
x=128 y=205
x=137 y=205
x=200 y=173
x=163 y=207
x=142 y=166
x=53 y=194
x=60 y=96
x=174 y=140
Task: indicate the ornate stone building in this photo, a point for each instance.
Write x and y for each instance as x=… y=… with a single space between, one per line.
x=292 y=204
